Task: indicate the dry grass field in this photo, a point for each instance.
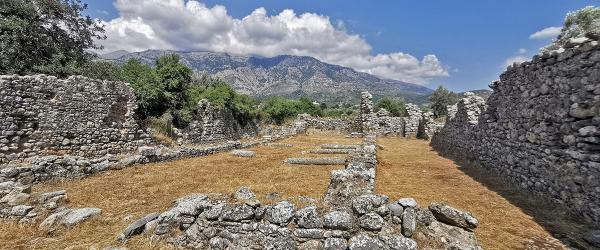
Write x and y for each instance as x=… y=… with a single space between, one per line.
x=140 y=190
x=408 y=168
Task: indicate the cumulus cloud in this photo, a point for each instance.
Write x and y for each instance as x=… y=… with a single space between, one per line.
x=193 y=26
x=547 y=33
x=515 y=59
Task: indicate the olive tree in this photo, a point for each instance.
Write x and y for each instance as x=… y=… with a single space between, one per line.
x=440 y=99
x=46 y=36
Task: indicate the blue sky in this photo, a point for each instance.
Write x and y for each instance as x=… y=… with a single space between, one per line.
x=471 y=39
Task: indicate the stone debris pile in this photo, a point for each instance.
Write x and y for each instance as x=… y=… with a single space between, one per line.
x=372 y=221
x=19 y=204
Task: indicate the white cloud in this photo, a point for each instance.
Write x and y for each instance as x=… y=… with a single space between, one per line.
x=191 y=25
x=515 y=59
x=550 y=32
x=522 y=51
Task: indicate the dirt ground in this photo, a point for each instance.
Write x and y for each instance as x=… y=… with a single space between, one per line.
x=410 y=168
x=407 y=168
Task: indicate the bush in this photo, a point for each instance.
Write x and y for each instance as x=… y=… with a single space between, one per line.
x=221 y=95
x=339 y=112
x=395 y=107
x=582 y=23
x=280 y=109
x=148 y=89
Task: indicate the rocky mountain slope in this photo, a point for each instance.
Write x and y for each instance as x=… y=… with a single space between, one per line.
x=290 y=76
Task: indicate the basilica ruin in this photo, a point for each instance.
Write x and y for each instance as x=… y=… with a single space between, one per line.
x=539 y=130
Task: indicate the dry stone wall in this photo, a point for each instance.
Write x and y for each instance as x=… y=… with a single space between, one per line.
x=213 y=124
x=66 y=167
x=339 y=125
x=44 y=115
x=540 y=128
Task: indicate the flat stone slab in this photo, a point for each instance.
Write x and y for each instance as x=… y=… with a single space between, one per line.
x=340 y=146
x=331 y=151
x=317 y=161
x=68 y=218
x=280 y=145
x=243 y=153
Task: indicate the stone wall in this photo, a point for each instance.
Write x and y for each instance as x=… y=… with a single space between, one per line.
x=540 y=128
x=213 y=124
x=44 y=115
x=67 y=167
x=388 y=125
x=411 y=122
x=324 y=123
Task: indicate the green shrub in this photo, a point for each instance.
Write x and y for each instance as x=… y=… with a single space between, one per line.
x=148 y=89
x=280 y=109
x=581 y=23
x=221 y=95
x=395 y=107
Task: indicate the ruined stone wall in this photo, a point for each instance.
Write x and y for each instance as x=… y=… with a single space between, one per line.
x=428 y=126
x=354 y=217
x=44 y=115
x=212 y=124
x=411 y=122
x=324 y=123
x=540 y=128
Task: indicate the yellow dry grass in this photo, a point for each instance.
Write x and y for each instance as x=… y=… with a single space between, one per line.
x=140 y=190
x=410 y=168
x=407 y=168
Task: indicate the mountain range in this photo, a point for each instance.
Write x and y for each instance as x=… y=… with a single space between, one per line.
x=286 y=75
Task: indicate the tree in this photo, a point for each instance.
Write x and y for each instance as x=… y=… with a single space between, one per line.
x=45 y=36
x=396 y=108
x=99 y=69
x=175 y=78
x=146 y=86
x=440 y=99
